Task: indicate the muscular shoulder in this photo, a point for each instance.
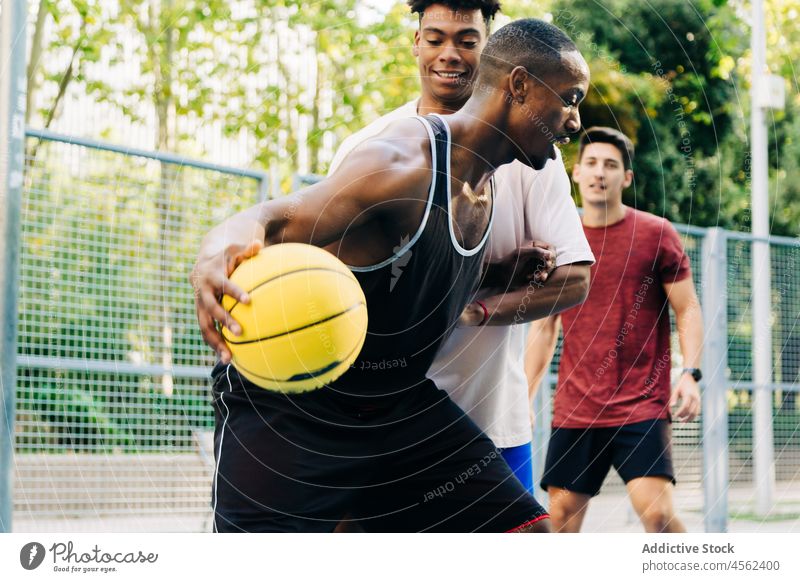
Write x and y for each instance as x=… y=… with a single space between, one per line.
x=395 y=163
x=369 y=131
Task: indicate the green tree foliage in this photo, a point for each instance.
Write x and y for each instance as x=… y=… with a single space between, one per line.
x=261 y=69
x=293 y=79
x=663 y=73
x=783 y=49
x=359 y=70
x=67 y=39
x=92 y=293
x=691 y=128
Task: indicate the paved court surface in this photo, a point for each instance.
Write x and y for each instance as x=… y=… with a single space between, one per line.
x=609 y=512
x=613 y=512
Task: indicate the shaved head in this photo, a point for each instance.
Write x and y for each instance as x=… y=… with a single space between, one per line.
x=530 y=43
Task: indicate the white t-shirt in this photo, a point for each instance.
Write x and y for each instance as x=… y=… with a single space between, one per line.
x=482 y=367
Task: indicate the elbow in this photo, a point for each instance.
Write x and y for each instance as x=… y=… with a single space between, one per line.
x=579 y=286
x=574 y=288
x=582 y=280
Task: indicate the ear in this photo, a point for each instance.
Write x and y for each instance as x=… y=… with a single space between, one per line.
x=628 y=179
x=576 y=171
x=415 y=47
x=519 y=84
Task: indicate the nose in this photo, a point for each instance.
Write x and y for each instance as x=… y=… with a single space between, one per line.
x=450 y=53
x=573 y=124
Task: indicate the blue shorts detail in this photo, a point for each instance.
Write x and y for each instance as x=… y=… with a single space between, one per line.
x=519 y=459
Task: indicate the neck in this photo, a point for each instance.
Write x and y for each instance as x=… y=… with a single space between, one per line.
x=599 y=215
x=482 y=141
x=429 y=104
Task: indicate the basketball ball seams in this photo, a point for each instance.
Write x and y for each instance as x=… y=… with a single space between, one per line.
x=301 y=328
x=348 y=276
x=305 y=376
x=230 y=338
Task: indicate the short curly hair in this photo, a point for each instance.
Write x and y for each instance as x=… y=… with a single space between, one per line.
x=488 y=8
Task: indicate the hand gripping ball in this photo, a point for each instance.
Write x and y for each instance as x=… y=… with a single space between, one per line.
x=306 y=321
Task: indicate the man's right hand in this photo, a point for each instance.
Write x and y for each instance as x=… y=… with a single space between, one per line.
x=210 y=281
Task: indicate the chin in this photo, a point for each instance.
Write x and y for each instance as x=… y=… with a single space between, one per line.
x=452 y=98
x=535 y=162
x=596 y=200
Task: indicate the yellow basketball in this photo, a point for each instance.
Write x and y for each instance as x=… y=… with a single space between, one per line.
x=306 y=320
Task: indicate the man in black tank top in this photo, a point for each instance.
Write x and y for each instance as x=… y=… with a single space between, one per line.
x=385 y=446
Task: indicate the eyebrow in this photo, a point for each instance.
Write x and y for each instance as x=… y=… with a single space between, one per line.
x=605 y=160
x=464 y=32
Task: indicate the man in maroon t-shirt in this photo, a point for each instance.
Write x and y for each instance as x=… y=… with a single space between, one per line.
x=613 y=400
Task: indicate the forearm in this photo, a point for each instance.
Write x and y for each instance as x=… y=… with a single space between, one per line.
x=240 y=229
x=689 y=322
x=566 y=287
x=539 y=351
x=492 y=276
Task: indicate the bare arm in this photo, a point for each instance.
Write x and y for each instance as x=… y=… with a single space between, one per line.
x=689 y=321
x=539 y=351
x=318 y=215
x=565 y=287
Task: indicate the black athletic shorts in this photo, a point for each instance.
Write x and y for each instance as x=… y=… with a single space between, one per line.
x=304 y=462
x=578 y=459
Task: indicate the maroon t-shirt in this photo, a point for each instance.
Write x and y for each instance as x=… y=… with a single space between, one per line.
x=615 y=361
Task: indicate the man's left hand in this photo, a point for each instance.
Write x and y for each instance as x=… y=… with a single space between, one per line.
x=531 y=263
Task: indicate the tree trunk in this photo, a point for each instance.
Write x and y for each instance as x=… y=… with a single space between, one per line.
x=315 y=136
x=66 y=78
x=161 y=55
x=36 y=55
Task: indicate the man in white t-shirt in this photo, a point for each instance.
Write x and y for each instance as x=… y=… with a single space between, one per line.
x=481 y=364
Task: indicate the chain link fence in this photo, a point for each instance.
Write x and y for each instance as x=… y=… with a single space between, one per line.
x=113 y=416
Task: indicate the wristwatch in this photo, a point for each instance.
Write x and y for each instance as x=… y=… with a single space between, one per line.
x=695 y=373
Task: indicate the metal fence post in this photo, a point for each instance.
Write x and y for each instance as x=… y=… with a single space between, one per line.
x=763 y=430
x=264 y=188
x=13 y=87
x=715 y=367
x=763 y=444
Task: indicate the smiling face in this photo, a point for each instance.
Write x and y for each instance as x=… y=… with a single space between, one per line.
x=601 y=175
x=548 y=111
x=448 y=45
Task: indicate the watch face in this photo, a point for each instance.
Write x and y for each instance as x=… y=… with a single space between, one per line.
x=696 y=374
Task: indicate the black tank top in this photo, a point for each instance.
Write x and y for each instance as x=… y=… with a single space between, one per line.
x=415 y=297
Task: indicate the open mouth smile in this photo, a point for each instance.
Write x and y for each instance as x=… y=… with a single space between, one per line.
x=450 y=75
